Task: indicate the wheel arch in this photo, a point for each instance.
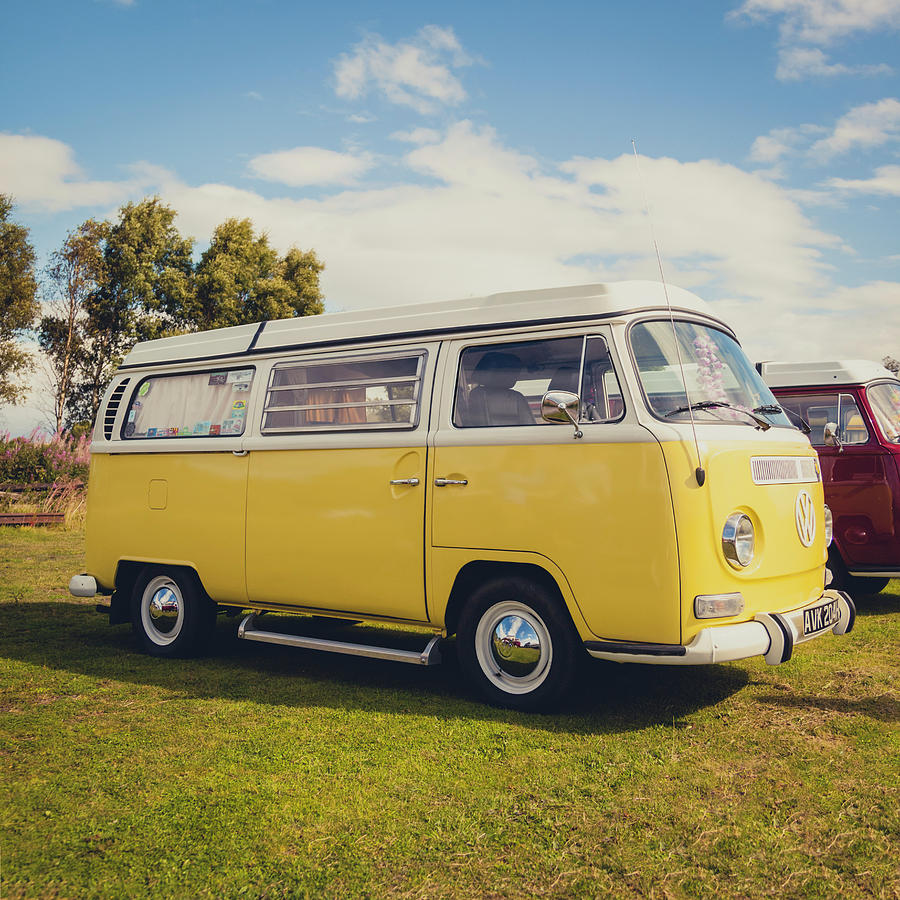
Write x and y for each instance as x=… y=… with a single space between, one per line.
x=477 y=572
x=128 y=571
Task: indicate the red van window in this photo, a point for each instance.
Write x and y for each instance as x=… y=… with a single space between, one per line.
x=819 y=409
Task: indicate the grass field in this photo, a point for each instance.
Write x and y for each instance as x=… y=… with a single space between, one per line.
x=265 y=771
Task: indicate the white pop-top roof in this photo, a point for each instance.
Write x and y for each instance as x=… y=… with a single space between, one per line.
x=419 y=320
x=838 y=371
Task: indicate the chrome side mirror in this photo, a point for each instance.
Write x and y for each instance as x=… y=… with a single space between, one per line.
x=561 y=407
x=831 y=436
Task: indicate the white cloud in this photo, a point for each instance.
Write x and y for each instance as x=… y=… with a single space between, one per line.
x=782 y=142
x=414 y=73
x=41 y=174
x=310 y=165
x=866 y=126
x=885 y=182
x=806 y=25
x=798 y=63
x=252 y=95
x=417 y=136
x=823 y=21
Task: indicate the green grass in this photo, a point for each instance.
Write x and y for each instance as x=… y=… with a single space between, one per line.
x=265 y=771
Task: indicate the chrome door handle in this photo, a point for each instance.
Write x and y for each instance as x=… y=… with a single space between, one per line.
x=443 y=482
x=412 y=482
x=240 y=452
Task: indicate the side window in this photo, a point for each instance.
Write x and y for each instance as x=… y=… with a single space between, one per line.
x=201 y=404
x=819 y=409
x=503 y=384
x=345 y=394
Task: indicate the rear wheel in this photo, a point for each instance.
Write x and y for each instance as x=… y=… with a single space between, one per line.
x=517 y=645
x=853 y=584
x=170 y=613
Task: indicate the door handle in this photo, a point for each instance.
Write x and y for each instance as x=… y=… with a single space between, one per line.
x=240 y=452
x=412 y=482
x=443 y=482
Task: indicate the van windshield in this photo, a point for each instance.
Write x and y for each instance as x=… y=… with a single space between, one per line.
x=884 y=399
x=722 y=384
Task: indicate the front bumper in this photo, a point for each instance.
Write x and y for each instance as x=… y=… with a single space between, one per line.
x=770 y=635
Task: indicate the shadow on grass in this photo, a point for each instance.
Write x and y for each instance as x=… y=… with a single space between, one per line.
x=72 y=637
x=881 y=604
x=884 y=708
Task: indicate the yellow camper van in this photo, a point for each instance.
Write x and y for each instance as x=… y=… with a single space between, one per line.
x=547 y=475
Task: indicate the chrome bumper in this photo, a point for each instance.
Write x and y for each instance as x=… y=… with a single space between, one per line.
x=83 y=586
x=770 y=635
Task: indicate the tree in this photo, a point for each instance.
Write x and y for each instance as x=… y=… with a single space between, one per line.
x=240 y=278
x=18 y=301
x=76 y=271
x=145 y=292
x=893 y=364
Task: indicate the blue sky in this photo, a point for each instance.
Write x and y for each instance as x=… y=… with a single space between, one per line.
x=430 y=151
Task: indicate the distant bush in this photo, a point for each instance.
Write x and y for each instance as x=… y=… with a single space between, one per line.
x=43 y=459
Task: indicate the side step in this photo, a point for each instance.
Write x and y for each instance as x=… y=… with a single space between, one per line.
x=430 y=656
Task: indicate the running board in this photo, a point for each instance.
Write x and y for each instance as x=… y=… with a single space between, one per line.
x=430 y=656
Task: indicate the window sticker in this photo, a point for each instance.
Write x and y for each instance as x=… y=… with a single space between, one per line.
x=129 y=429
x=188 y=405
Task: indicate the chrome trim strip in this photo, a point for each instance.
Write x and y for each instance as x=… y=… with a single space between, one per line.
x=430 y=656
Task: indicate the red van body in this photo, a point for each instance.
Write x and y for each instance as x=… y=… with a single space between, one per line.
x=853 y=410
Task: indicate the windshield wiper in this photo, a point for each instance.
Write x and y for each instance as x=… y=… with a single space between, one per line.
x=771 y=409
x=720 y=404
x=794 y=418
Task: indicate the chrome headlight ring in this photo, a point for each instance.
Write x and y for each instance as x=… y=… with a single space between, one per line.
x=738 y=540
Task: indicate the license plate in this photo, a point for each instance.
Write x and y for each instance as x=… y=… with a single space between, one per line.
x=818 y=618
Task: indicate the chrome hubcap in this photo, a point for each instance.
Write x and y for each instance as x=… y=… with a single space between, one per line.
x=162 y=610
x=513 y=647
x=516 y=646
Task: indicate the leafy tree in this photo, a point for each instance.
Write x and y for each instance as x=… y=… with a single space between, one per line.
x=76 y=271
x=18 y=301
x=241 y=278
x=893 y=364
x=145 y=292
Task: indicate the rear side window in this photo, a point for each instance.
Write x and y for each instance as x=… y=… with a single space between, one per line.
x=503 y=384
x=820 y=409
x=347 y=394
x=199 y=404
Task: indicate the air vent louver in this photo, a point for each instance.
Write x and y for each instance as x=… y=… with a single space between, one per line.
x=109 y=417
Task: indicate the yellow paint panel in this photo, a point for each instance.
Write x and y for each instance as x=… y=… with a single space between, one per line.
x=201 y=524
x=601 y=512
x=327 y=530
x=783 y=574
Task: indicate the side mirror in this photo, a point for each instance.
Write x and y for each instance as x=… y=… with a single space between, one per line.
x=831 y=436
x=561 y=407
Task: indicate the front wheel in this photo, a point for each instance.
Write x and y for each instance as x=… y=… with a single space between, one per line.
x=517 y=645
x=170 y=613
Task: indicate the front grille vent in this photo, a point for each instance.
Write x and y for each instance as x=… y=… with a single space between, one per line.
x=784 y=470
x=109 y=417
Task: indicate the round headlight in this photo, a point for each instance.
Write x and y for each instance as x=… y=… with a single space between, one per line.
x=737 y=540
x=829 y=526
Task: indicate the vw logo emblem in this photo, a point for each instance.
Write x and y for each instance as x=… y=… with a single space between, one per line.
x=805 y=514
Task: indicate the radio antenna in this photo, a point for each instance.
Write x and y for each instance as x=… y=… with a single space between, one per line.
x=699 y=472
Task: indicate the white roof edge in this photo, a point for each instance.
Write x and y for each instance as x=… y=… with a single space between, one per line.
x=822 y=372
x=551 y=304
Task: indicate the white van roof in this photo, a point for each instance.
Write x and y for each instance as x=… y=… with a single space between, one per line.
x=838 y=371
x=563 y=305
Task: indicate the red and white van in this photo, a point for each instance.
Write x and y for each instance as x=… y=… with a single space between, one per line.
x=853 y=411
